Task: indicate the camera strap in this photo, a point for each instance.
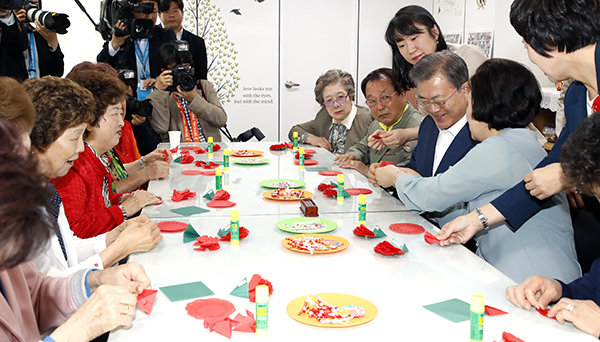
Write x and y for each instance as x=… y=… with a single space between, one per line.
x=32 y=57
x=202 y=90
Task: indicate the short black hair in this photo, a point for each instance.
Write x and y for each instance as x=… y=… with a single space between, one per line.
x=403 y=23
x=504 y=94
x=168 y=54
x=445 y=63
x=580 y=156
x=164 y=5
x=562 y=25
x=379 y=74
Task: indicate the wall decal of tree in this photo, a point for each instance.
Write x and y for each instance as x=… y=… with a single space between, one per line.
x=204 y=19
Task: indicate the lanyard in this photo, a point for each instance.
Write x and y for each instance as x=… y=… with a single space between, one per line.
x=143 y=58
x=32 y=70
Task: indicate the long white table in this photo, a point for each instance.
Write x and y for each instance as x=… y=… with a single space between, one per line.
x=398 y=286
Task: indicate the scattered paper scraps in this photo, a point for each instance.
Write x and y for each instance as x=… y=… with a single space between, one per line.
x=206 y=242
x=386 y=248
x=254 y=282
x=243 y=234
x=145 y=300
x=172 y=226
x=407 y=228
x=329 y=173
x=182 y=195
x=190 y=234
x=186 y=291
x=188 y=211
x=430 y=238
x=186 y=159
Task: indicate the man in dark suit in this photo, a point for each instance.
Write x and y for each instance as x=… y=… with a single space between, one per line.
x=171 y=15
x=28 y=50
x=139 y=55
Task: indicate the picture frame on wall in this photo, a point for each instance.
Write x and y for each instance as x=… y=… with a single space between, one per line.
x=483 y=39
x=453 y=38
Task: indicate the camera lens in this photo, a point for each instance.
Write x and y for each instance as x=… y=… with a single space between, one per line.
x=141 y=28
x=187 y=81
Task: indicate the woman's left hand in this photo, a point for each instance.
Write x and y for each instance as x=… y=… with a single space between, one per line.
x=158 y=155
x=385 y=175
x=584 y=314
x=131 y=276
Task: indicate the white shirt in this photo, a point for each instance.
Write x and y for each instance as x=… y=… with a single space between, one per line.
x=444 y=140
x=140 y=68
x=590 y=103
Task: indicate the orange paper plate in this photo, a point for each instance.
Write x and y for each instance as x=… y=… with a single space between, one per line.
x=344 y=242
x=246 y=153
x=337 y=299
x=269 y=195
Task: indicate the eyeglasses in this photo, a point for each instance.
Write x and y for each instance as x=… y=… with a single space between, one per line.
x=438 y=104
x=384 y=99
x=340 y=100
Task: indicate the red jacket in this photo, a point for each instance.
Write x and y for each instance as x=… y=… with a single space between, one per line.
x=81 y=192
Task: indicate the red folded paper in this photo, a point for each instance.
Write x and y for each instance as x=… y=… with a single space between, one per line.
x=200 y=150
x=145 y=300
x=278 y=147
x=174 y=149
x=186 y=159
x=330 y=192
x=508 y=337
x=184 y=151
x=205 y=242
x=375 y=136
x=210 y=165
x=172 y=226
x=358 y=191
x=182 y=195
x=199 y=163
x=544 y=312
x=406 y=228
x=362 y=230
x=254 y=282
x=430 y=238
x=216 y=147
x=243 y=233
x=387 y=248
x=221 y=195
x=386 y=163
x=289 y=145
x=245 y=323
x=492 y=311
x=324 y=186
x=166 y=156
x=329 y=173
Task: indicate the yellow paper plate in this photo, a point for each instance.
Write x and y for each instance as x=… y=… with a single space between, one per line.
x=337 y=299
x=246 y=153
x=269 y=195
x=286 y=243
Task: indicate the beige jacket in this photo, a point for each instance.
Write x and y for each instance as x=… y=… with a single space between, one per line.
x=166 y=117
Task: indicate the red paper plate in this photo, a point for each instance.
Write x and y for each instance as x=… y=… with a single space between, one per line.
x=220 y=204
x=307 y=162
x=172 y=226
x=208 y=173
x=329 y=173
x=358 y=191
x=210 y=308
x=191 y=172
x=309 y=151
x=406 y=228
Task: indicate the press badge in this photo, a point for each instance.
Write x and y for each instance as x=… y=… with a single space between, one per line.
x=142 y=92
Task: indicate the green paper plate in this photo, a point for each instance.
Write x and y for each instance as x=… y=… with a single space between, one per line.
x=267 y=183
x=286 y=224
x=251 y=161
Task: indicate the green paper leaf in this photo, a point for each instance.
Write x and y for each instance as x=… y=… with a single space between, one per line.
x=223 y=231
x=190 y=234
x=378 y=232
x=404 y=248
x=345 y=193
x=454 y=310
x=209 y=195
x=187 y=211
x=241 y=290
x=177 y=160
x=186 y=291
x=316 y=168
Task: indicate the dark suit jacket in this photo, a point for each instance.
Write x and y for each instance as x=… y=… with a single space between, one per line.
x=13 y=62
x=516 y=204
x=198 y=50
x=159 y=37
x=422 y=157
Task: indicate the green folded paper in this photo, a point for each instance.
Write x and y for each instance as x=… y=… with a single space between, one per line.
x=209 y=194
x=379 y=233
x=241 y=290
x=454 y=310
x=186 y=291
x=190 y=234
x=191 y=210
x=177 y=160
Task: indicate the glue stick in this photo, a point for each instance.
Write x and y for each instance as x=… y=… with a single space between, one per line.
x=301 y=158
x=226 y=160
x=362 y=209
x=210 y=147
x=477 y=312
x=262 y=310
x=235 y=228
x=295 y=141
x=218 y=180
x=340 y=187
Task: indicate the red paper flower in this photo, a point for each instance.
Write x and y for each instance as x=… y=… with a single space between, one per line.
x=386 y=163
x=185 y=152
x=278 y=147
x=387 y=248
x=216 y=147
x=174 y=149
x=254 y=282
x=324 y=186
x=210 y=165
x=330 y=192
x=430 y=238
x=199 y=163
x=199 y=150
x=362 y=230
x=186 y=159
x=289 y=145
x=221 y=195
x=182 y=195
x=206 y=242
x=243 y=233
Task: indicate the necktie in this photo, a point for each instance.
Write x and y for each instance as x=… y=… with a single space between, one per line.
x=55 y=201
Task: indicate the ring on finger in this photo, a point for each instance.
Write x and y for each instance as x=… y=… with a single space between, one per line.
x=570 y=307
x=126 y=309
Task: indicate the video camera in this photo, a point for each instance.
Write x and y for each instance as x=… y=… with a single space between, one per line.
x=57 y=22
x=182 y=76
x=112 y=11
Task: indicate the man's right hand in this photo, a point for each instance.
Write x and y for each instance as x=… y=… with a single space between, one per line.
x=164 y=80
x=116 y=42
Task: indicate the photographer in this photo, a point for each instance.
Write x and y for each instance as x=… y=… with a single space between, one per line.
x=30 y=51
x=197 y=113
